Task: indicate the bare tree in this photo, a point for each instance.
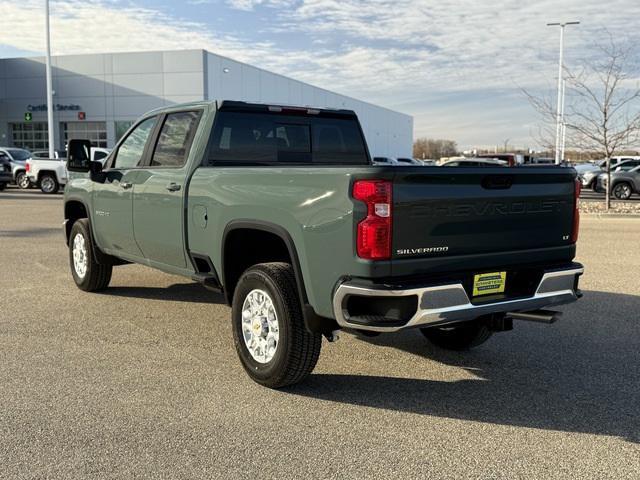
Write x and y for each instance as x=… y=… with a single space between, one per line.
x=434 y=148
x=602 y=111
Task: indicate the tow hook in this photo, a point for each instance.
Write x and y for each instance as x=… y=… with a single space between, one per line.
x=333 y=336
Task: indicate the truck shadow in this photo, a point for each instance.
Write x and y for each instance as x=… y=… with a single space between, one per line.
x=30 y=232
x=581 y=374
x=178 y=292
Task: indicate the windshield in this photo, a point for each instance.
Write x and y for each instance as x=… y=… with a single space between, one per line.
x=19 y=153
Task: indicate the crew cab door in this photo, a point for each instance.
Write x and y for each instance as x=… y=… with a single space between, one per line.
x=112 y=215
x=159 y=196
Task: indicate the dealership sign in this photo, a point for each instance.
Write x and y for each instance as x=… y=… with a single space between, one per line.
x=58 y=107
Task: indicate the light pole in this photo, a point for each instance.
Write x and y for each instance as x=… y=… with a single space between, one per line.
x=49 y=83
x=563 y=125
x=560 y=105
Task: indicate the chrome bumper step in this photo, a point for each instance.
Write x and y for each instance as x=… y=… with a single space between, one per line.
x=449 y=303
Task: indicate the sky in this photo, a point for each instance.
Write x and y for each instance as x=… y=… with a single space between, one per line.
x=457 y=66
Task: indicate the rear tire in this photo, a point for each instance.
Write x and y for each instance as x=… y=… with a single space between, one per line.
x=3 y=186
x=269 y=332
x=48 y=184
x=459 y=336
x=22 y=181
x=88 y=274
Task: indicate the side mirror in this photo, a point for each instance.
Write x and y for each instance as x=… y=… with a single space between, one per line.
x=79 y=156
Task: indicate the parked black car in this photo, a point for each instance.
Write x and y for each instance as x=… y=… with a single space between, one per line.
x=5 y=170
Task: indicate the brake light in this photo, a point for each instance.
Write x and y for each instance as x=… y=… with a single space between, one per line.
x=27 y=167
x=576 y=213
x=373 y=240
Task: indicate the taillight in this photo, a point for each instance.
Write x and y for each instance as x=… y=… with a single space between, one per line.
x=373 y=239
x=576 y=213
x=27 y=167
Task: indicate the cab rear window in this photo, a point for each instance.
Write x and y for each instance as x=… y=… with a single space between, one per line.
x=242 y=138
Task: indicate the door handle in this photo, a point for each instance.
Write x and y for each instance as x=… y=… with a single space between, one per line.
x=126 y=185
x=173 y=187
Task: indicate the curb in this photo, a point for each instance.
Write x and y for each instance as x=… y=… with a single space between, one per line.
x=610 y=215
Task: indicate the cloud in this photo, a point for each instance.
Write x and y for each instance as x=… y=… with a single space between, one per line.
x=464 y=44
x=249 y=5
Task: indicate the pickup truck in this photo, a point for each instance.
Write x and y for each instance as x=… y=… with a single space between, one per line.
x=49 y=174
x=281 y=210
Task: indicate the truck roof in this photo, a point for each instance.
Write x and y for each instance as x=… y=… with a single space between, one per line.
x=238 y=106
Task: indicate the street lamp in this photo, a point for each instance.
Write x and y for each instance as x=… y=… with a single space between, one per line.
x=560 y=105
x=49 y=82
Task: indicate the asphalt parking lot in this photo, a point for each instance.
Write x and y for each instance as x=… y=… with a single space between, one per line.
x=143 y=381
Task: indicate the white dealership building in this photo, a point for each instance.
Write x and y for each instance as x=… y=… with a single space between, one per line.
x=98 y=96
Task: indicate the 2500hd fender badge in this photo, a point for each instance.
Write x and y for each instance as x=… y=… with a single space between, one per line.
x=422 y=250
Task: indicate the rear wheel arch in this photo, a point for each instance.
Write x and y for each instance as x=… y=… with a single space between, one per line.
x=41 y=173
x=239 y=235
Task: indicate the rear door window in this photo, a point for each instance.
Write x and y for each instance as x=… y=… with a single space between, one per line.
x=174 y=141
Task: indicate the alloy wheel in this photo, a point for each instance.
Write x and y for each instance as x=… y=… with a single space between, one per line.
x=260 y=328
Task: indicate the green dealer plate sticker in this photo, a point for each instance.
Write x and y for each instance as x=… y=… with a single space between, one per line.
x=486 y=283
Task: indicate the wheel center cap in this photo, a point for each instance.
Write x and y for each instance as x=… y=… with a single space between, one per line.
x=257 y=327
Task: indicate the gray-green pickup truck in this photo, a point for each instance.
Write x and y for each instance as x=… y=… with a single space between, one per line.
x=281 y=209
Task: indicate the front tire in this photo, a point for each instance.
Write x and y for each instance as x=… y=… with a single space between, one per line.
x=459 y=336
x=622 y=191
x=48 y=184
x=88 y=274
x=269 y=332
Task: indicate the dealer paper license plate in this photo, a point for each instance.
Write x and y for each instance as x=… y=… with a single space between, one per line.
x=486 y=283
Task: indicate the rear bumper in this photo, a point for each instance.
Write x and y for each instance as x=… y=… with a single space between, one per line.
x=446 y=303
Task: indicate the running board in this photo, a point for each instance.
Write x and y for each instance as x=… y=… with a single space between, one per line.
x=541 y=316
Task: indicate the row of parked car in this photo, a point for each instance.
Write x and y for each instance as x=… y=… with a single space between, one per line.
x=498 y=160
x=36 y=169
x=625 y=176
x=457 y=162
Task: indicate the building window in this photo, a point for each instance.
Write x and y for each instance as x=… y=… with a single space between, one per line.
x=121 y=128
x=32 y=135
x=95 y=132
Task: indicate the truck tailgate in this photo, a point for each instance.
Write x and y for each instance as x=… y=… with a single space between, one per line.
x=453 y=211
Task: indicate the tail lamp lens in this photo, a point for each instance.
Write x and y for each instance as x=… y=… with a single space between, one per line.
x=373 y=240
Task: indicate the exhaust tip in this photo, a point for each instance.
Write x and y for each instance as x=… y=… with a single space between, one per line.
x=540 y=316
